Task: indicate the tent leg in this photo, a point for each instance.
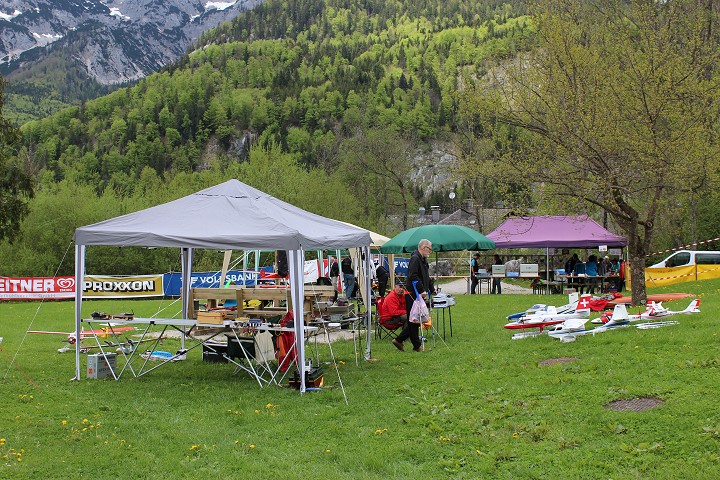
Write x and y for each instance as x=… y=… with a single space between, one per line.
x=297 y=291
x=79 y=278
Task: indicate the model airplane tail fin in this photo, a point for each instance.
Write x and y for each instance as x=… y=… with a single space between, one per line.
x=583 y=305
x=572 y=297
x=694 y=307
x=620 y=314
x=654 y=307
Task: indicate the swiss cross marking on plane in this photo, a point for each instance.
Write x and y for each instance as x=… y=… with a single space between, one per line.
x=583 y=304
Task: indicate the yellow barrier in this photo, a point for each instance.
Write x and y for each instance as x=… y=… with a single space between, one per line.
x=658 y=277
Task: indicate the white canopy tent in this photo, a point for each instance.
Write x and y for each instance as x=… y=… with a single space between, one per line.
x=228 y=216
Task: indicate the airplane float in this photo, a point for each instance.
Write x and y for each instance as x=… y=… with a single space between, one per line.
x=550 y=315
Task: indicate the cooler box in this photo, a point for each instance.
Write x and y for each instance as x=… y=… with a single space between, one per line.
x=214 y=352
x=498 y=271
x=101 y=366
x=235 y=350
x=313 y=378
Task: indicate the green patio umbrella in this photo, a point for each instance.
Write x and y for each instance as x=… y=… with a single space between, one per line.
x=444 y=238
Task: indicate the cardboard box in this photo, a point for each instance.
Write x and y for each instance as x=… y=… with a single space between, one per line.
x=101 y=366
x=216 y=317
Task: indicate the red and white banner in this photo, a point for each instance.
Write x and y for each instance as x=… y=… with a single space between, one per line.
x=36 y=288
x=63 y=288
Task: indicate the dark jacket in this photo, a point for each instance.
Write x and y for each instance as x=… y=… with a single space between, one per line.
x=382 y=273
x=418 y=269
x=334 y=270
x=346 y=266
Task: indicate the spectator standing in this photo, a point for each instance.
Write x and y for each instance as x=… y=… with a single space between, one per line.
x=607 y=267
x=418 y=278
x=334 y=276
x=591 y=270
x=570 y=264
x=496 y=285
x=348 y=276
x=474 y=271
x=382 y=278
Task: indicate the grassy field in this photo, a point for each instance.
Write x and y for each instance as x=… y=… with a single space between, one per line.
x=485 y=406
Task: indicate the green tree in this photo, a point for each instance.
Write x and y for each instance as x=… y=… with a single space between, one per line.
x=16 y=184
x=617 y=109
x=377 y=171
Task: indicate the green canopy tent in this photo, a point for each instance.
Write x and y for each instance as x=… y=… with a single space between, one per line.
x=444 y=238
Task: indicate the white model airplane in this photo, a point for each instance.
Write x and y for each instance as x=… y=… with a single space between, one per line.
x=653 y=311
x=534 y=309
x=551 y=316
x=656 y=310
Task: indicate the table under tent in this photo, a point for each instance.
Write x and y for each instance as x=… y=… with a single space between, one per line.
x=233 y=216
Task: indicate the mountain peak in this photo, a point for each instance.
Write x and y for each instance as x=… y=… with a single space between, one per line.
x=115 y=41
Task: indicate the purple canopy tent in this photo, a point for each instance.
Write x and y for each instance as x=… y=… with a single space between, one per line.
x=549 y=231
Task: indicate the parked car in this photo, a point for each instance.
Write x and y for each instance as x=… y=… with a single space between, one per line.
x=683 y=258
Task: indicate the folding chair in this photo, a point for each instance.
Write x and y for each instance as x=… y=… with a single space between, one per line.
x=385 y=327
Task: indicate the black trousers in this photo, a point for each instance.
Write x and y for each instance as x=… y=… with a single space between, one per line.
x=410 y=330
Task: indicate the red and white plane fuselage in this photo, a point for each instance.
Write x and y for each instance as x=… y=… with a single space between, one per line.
x=551 y=316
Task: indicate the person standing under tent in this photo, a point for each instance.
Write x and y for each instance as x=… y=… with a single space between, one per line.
x=382 y=278
x=334 y=273
x=570 y=264
x=591 y=270
x=348 y=276
x=474 y=271
x=418 y=278
x=496 y=285
x=607 y=267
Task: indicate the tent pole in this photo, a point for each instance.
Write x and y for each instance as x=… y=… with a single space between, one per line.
x=297 y=294
x=368 y=296
x=186 y=262
x=225 y=266
x=257 y=266
x=391 y=267
x=547 y=268
x=79 y=278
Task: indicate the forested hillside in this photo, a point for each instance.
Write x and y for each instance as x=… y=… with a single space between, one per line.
x=330 y=104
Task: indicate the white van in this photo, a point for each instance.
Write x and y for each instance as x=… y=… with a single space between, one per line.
x=682 y=258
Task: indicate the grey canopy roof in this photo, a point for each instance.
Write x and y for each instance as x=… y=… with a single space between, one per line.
x=231 y=215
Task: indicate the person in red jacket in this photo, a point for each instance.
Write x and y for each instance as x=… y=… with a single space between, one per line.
x=394 y=308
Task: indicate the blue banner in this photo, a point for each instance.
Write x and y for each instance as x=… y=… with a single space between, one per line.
x=173 y=281
x=401 y=266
